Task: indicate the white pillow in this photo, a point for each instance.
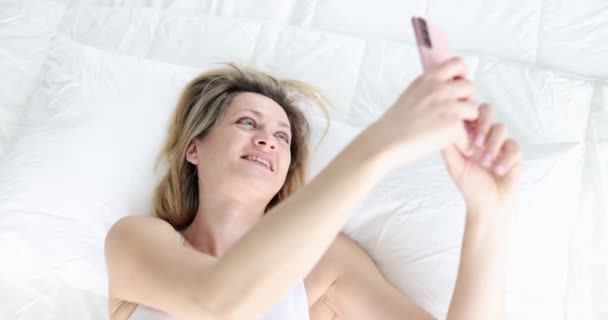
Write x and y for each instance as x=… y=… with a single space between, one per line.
x=84 y=158
x=49 y=298
x=25 y=32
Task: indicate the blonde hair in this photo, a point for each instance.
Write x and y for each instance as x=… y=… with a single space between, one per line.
x=202 y=102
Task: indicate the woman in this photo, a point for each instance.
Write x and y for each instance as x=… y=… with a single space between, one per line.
x=231 y=238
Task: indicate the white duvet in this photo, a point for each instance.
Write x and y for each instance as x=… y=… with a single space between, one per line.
x=70 y=71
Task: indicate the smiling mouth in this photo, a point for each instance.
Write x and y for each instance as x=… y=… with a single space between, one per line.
x=258 y=163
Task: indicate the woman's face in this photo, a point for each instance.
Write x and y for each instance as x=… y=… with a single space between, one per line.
x=248 y=149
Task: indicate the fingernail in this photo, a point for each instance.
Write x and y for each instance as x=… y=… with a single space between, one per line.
x=500 y=170
x=479 y=140
x=487 y=159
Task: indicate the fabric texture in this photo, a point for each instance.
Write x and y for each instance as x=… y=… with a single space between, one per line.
x=81 y=120
x=410 y=223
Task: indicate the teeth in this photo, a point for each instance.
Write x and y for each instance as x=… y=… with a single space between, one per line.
x=260 y=160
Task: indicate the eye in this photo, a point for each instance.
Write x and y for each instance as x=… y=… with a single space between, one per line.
x=253 y=122
x=284 y=136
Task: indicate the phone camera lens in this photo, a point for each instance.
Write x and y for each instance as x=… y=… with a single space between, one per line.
x=425 y=36
x=427 y=42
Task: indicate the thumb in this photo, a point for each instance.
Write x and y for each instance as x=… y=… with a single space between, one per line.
x=454 y=160
x=464 y=139
x=510 y=179
x=455 y=154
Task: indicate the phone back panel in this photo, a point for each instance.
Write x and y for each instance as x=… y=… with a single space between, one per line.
x=432 y=43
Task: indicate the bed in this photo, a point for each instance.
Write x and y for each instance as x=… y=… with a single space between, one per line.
x=87 y=88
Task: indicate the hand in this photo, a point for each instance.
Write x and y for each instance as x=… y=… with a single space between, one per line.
x=429 y=115
x=488 y=177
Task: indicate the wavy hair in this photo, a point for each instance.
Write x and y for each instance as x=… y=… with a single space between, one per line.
x=202 y=102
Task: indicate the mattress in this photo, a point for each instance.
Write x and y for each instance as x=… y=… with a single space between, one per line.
x=542 y=62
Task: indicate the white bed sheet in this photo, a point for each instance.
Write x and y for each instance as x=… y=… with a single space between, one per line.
x=567 y=39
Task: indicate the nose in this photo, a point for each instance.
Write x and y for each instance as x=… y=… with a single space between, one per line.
x=263 y=140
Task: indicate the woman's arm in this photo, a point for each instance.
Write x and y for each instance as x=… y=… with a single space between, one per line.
x=487 y=178
x=355 y=289
x=293 y=236
x=282 y=248
x=297 y=232
x=146 y=265
x=481 y=283
x=358 y=290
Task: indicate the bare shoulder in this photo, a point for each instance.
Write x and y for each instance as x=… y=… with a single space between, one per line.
x=120 y=234
x=131 y=230
x=137 y=222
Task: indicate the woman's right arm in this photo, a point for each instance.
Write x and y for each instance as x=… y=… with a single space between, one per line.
x=284 y=246
x=146 y=264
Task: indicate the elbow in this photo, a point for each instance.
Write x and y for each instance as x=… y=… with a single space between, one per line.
x=227 y=299
x=220 y=313
x=216 y=308
x=230 y=311
x=234 y=309
x=205 y=311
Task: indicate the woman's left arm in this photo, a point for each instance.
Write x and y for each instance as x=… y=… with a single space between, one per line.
x=359 y=291
x=487 y=179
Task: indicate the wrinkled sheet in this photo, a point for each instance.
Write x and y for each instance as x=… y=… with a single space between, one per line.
x=553 y=50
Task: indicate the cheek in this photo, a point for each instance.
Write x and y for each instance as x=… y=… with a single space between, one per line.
x=287 y=158
x=238 y=134
x=237 y=139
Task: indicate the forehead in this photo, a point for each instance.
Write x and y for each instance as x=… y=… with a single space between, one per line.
x=260 y=106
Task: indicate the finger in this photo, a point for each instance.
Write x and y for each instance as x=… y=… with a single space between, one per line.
x=461 y=89
x=462 y=142
x=453 y=159
x=514 y=164
x=464 y=110
x=511 y=178
x=471 y=126
x=496 y=137
x=509 y=156
x=484 y=122
x=450 y=69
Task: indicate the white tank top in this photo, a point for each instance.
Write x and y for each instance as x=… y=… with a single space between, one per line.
x=294 y=306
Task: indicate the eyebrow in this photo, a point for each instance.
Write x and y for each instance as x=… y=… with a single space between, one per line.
x=261 y=115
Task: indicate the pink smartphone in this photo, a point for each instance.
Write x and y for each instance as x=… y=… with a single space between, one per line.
x=432 y=43
x=433 y=48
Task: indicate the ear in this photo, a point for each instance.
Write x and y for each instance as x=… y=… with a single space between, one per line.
x=192 y=153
